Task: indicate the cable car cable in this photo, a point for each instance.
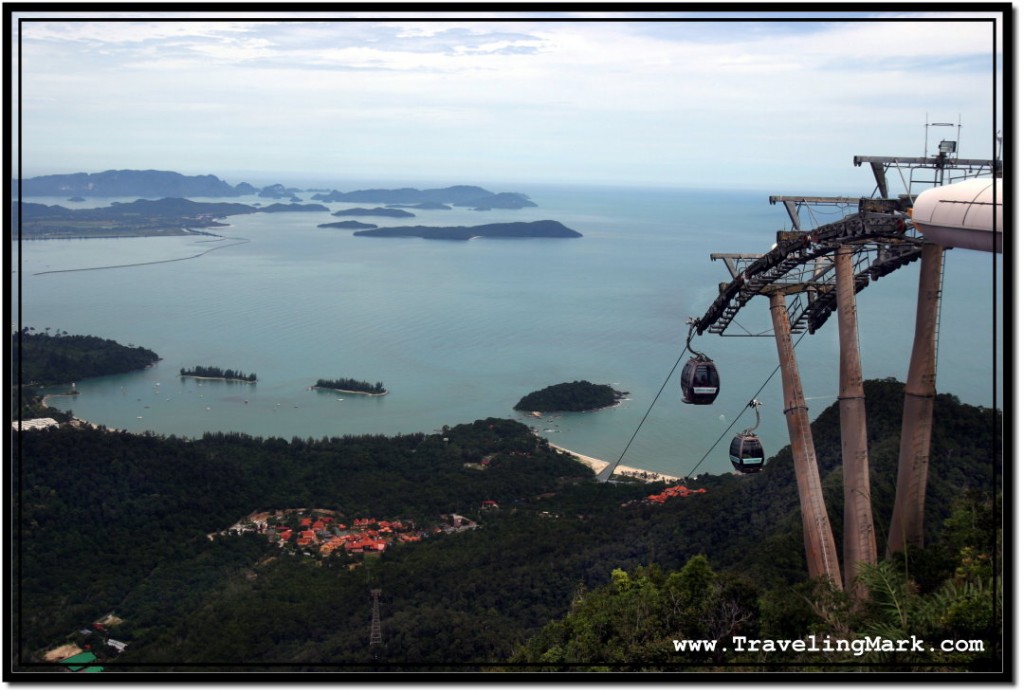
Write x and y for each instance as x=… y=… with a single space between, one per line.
x=653 y=402
x=662 y=389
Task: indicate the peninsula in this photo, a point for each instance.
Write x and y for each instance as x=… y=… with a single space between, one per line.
x=50 y=359
x=164 y=217
x=508 y=230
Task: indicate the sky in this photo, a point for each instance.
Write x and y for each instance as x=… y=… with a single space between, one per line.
x=663 y=99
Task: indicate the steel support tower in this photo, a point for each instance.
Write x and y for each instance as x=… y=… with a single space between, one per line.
x=819 y=272
x=907 y=525
x=375 y=633
x=859 y=546
x=819 y=544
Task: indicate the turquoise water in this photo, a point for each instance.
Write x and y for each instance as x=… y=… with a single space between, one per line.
x=458 y=331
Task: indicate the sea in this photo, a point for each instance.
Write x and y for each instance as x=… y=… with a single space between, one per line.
x=460 y=330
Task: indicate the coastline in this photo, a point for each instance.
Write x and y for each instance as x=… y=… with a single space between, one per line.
x=596 y=464
x=46 y=398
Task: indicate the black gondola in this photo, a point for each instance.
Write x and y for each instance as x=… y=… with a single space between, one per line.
x=699 y=381
x=746 y=452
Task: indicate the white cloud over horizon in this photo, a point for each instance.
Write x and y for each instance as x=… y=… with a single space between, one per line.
x=632 y=102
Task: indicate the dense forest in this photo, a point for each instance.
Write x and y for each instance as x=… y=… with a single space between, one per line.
x=560 y=572
x=351 y=385
x=217 y=372
x=46 y=358
x=638 y=618
x=578 y=396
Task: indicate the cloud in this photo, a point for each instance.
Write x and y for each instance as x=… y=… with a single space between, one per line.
x=603 y=99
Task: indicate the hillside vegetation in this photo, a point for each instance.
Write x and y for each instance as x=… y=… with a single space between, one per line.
x=114 y=522
x=51 y=359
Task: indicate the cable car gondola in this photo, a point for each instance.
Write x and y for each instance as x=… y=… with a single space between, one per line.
x=745 y=451
x=699 y=379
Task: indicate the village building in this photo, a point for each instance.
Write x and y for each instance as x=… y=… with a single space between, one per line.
x=30 y=424
x=670 y=492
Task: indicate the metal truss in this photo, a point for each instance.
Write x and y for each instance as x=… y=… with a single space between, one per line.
x=801 y=264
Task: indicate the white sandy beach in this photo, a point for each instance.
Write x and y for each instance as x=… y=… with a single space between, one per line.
x=596 y=464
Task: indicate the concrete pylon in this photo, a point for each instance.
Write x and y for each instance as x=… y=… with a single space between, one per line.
x=859 y=546
x=907 y=525
x=819 y=544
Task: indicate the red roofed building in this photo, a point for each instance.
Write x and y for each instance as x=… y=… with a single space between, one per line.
x=678 y=490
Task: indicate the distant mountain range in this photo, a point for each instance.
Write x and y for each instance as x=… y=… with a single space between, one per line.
x=170 y=184
x=128 y=182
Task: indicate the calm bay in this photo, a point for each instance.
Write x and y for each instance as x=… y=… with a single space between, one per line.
x=459 y=331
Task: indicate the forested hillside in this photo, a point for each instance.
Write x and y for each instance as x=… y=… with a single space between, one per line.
x=50 y=359
x=119 y=523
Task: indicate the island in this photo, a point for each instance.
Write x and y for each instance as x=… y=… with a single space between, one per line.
x=508 y=230
x=372 y=212
x=278 y=191
x=578 y=396
x=500 y=201
x=350 y=385
x=348 y=224
x=213 y=372
x=295 y=207
x=411 y=196
x=462 y=196
x=429 y=205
